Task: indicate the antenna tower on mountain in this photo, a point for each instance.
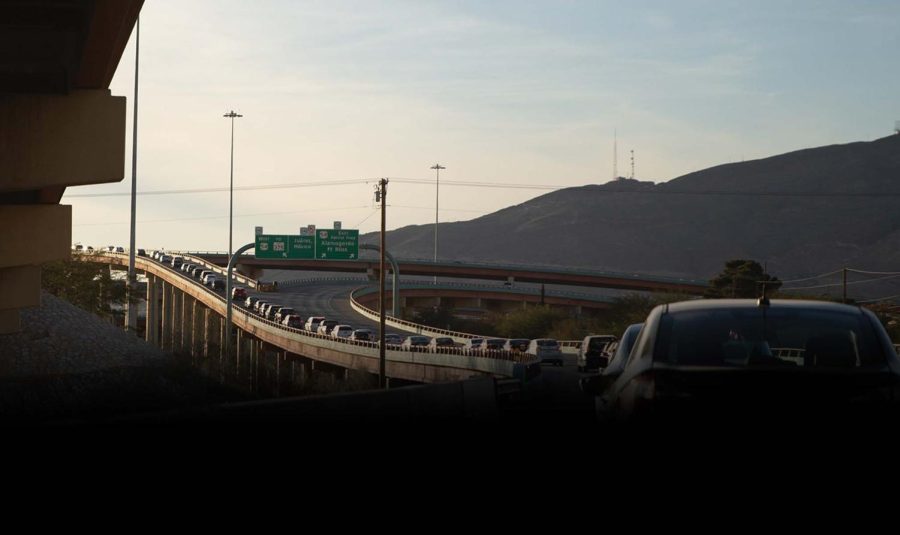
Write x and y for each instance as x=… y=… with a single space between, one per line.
x=897 y=127
x=632 y=164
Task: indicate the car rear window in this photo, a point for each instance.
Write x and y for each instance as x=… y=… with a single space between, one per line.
x=781 y=337
x=547 y=343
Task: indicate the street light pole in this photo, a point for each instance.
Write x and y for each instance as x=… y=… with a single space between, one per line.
x=130 y=309
x=232 y=115
x=437 y=188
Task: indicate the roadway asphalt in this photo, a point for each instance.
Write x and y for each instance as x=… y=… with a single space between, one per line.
x=555 y=398
x=321 y=298
x=553 y=402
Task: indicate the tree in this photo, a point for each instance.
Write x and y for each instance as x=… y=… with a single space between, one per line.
x=530 y=322
x=742 y=278
x=83 y=283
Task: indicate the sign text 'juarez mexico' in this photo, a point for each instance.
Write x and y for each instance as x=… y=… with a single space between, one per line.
x=284 y=246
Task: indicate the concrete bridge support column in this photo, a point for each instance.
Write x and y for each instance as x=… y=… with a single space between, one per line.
x=151 y=331
x=253 y=364
x=223 y=364
x=238 y=343
x=148 y=317
x=221 y=336
x=298 y=370
x=177 y=303
x=244 y=370
x=166 y=317
x=264 y=369
x=278 y=356
x=196 y=312
x=185 y=325
x=205 y=327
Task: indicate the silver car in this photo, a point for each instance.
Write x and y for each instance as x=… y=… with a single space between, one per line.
x=546 y=350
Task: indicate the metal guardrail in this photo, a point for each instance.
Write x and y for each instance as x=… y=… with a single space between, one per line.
x=567 y=346
x=409 y=325
x=252 y=283
x=493 y=288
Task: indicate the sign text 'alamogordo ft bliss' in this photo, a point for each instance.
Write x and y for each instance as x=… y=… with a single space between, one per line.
x=326 y=244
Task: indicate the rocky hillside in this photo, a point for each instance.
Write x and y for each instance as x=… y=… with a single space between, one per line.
x=803 y=212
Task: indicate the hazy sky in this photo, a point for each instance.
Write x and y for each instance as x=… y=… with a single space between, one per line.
x=503 y=92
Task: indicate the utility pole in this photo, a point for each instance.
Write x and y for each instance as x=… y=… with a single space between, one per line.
x=381 y=195
x=437 y=188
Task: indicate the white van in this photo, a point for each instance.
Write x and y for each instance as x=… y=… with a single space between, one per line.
x=547 y=350
x=312 y=324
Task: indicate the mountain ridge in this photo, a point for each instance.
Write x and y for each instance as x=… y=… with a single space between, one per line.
x=803 y=212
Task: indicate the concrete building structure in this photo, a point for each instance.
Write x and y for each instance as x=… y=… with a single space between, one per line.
x=59 y=127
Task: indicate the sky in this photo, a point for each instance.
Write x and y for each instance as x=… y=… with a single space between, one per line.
x=522 y=96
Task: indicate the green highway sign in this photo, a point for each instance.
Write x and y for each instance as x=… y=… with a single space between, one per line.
x=326 y=244
x=337 y=244
x=285 y=247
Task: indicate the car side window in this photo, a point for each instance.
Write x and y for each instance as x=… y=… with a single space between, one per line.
x=643 y=345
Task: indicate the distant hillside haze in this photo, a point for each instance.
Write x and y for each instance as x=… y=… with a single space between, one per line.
x=804 y=212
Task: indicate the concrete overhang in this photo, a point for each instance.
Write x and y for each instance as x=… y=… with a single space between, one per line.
x=59 y=126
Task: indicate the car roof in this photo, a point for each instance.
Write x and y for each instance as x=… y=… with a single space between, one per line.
x=722 y=304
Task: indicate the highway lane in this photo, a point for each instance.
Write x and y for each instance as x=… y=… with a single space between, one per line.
x=322 y=298
x=556 y=395
x=555 y=400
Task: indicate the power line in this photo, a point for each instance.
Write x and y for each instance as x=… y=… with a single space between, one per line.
x=839 y=284
x=661 y=189
x=217 y=190
x=823 y=275
x=879 y=299
x=874 y=272
x=373 y=212
x=223 y=216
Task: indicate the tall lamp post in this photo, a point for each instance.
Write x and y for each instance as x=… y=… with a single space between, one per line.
x=232 y=116
x=130 y=310
x=437 y=188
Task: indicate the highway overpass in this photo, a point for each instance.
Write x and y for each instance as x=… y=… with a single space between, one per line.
x=185 y=316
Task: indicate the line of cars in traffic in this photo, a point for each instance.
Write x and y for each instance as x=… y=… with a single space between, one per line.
x=206 y=276
x=546 y=350
x=289 y=317
x=79 y=248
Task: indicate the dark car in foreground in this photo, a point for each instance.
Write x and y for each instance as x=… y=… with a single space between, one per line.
x=771 y=362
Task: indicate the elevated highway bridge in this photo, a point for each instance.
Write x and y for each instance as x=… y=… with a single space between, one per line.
x=184 y=316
